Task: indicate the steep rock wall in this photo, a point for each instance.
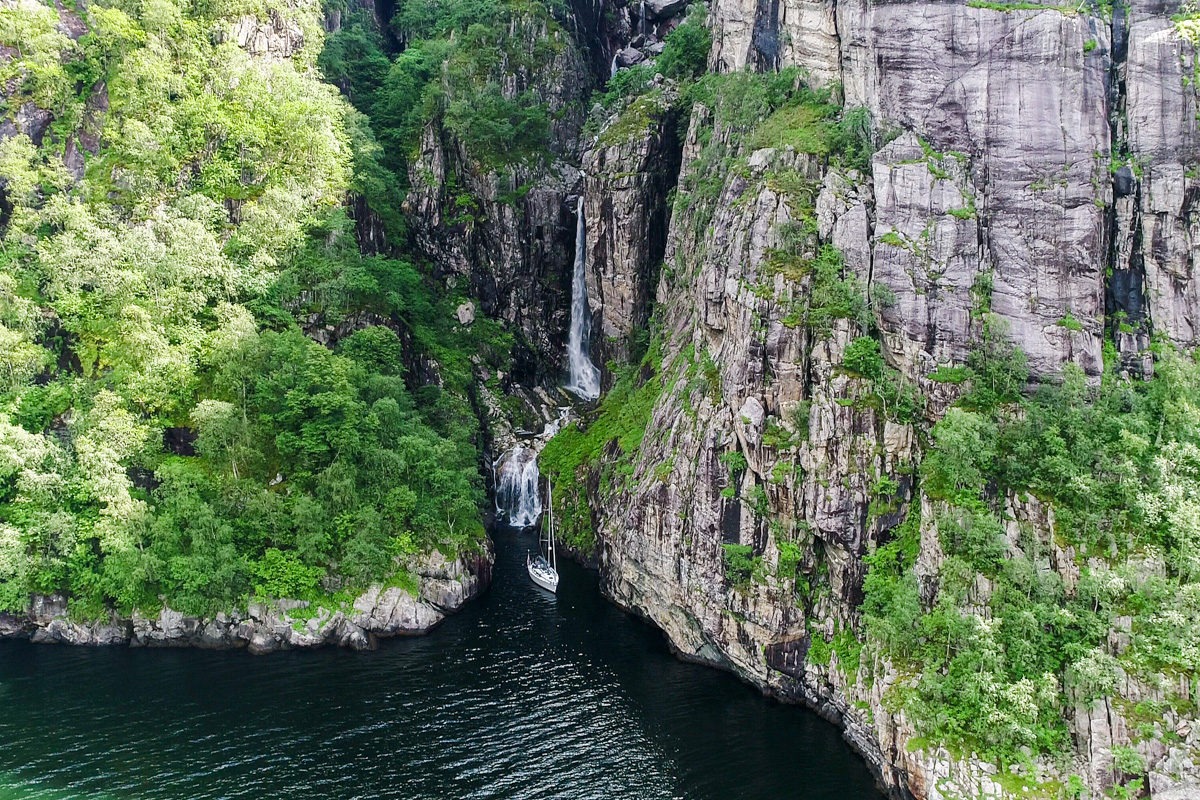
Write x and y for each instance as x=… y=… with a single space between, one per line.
x=1023 y=105
x=772 y=34
x=1040 y=167
x=507 y=234
x=627 y=179
x=1155 y=227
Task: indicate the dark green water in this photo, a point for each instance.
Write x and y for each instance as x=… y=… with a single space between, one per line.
x=523 y=695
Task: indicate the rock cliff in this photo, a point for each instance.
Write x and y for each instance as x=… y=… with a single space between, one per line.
x=1036 y=166
x=1032 y=177
x=504 y=234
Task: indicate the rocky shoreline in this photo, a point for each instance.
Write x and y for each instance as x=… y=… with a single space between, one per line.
x=444 y=587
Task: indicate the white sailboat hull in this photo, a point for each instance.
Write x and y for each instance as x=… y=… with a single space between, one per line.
x=542 y=574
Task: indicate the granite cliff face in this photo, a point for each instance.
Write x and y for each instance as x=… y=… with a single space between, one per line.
x=505 y=234
x=625 y=185
x=1040 y=165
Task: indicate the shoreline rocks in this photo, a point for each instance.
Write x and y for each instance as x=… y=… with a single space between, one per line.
x=444 y=586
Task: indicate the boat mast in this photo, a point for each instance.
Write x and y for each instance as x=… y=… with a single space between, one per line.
x=550 y=528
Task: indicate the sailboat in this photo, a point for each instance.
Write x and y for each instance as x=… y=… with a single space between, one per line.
x=542 y=568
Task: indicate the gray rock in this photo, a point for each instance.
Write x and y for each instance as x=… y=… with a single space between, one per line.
x=664 y=9
x=630 y=56
x=465 y=313
x=12 y=627
x=782 y=33
x=444 y=586
x=927 y=257
x=1157 y=235
x=276 y=37
x=1124 y=183
x=33 y=121
x=626 y=184
x=1032 y=143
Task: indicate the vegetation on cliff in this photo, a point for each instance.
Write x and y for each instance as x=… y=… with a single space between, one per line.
x=1007 y=642
x=607 y=442
x=1001 y=639
x=743 y=111
x=455 y=59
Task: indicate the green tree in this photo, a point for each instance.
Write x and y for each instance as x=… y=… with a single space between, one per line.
x=959 y=466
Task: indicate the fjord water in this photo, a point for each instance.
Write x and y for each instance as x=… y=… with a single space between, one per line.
x=522 y=695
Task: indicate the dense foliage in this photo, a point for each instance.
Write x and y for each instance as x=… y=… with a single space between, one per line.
x=1115 y=468
x=451 y=70
x=168 y=433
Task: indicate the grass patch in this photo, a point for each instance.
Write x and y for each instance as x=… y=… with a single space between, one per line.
x=1020 y=6
x=618 y=428
x=631 y=124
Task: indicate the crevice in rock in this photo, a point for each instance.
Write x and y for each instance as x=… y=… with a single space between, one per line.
x=1124 y=277
x=586 y=21
x=6 y=208
x=765 y=38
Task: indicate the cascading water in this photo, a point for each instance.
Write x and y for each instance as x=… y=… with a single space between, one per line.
x=518 y=499
x=612 y=68
x=585 y=376
x=642 y=18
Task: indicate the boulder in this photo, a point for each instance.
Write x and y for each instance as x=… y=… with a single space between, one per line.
x=664 y=9
x=629 y=57
x=465 y=313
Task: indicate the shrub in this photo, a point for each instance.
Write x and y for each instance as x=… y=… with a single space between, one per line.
x=863 y=359
x=740 y=564
x=283 y=575
x=685 y=51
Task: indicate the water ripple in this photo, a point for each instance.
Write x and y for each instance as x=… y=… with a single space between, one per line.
x=523 y=696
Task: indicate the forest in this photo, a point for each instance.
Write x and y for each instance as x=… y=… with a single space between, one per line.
x=170 y=430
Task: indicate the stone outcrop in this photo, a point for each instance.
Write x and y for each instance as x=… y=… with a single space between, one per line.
x=928 y=257
x=628 y=175
x=443 y=587
x=805 y=504
x=772 y=34
x=278 y=29
x=636 y=31
x=276 y=36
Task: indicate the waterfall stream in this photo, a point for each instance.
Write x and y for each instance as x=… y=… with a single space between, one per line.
x=585 y=377
x=518 y=499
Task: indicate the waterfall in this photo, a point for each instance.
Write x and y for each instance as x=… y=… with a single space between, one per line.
x=612 y=70
x=642 y=18
x=518 y=499
x=585 y=377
